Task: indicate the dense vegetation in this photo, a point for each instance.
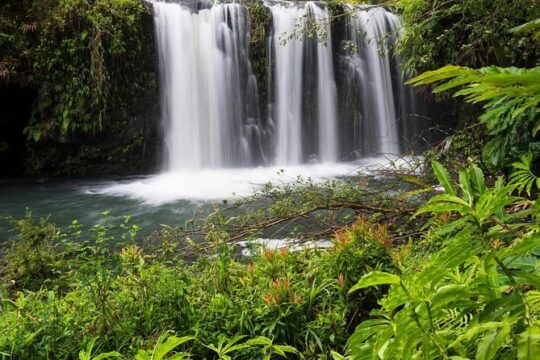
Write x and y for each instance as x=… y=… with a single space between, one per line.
x=465 y=285
x=474 y=34
x=88 y=68
x=414 y=270
x=75 y=71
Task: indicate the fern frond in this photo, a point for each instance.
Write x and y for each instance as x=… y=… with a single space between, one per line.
x=522 y=178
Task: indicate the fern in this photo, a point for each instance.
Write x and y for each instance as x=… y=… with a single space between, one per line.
x=508 y=93
x=472 y=298
x=522 y=177
x=510 y=98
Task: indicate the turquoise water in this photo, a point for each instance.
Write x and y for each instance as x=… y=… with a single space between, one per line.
x=168 y=198
x=69 y=199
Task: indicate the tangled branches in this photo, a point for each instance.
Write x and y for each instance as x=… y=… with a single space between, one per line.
x=308 y=211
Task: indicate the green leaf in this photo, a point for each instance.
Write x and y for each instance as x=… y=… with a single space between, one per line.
x=531 y=25
x=163 y=348
x=108 y=355
x=493 y=153
x=448 y=294
x=496 y=309
x=444 y=177
x=36 y=135
x=414 y=180
x=465 y=184
x=492 y=342
x=260 y=340
x=528 y=278
x=521 y=247
x=475 y=330
x=375 y=278
x=65 y=120
x=524 y=263
x=283 y=350
x=529 y=344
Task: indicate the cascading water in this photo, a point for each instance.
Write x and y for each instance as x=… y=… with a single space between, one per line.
x=367 y=80
x=288 y=55
x=324 y=104
x=288 y=45
x=326 y=87
x=209 y=96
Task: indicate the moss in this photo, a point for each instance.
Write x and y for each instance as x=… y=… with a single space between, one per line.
x=260 y=22
x=93 y=65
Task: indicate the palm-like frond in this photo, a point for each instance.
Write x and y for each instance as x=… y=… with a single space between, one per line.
x=508 y=93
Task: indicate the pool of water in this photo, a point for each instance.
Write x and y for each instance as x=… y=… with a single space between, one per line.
x=69 y=199
x=170 y=198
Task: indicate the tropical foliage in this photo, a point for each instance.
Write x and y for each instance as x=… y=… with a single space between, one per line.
x=69 y=46
x=511 y=98
x=412 y=271
x=477 y=295
x=465 y=286
x=94 y=291
x=472 y=33
x=86 y=62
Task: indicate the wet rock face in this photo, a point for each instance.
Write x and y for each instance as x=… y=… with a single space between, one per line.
x=15 y=112
x=129 y=141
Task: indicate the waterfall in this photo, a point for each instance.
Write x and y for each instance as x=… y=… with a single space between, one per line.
x=367 y=76
x=288 y=50
x=326 y=87
x=289 y=43
x=326 y=102
x=208 y=92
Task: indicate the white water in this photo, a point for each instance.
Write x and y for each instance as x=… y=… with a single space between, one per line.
x=288 y=45
x=210 y=102
x=215 y=184
x=204 y=66
x=369 y=30
x=288 y=108
x=326 y=90
x=219 y=184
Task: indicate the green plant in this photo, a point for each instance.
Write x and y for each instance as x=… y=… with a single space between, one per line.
x=523 y=177
x=31 y=259
x=225 y=347
x=473 y=33
x=164 y=346
x=77 y=58
x=269 y=348
x=112 y=295
x=87 y=354
x=475 y=296
x=511 y=97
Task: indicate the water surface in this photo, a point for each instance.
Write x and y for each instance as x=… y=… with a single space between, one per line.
x=170 y=198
